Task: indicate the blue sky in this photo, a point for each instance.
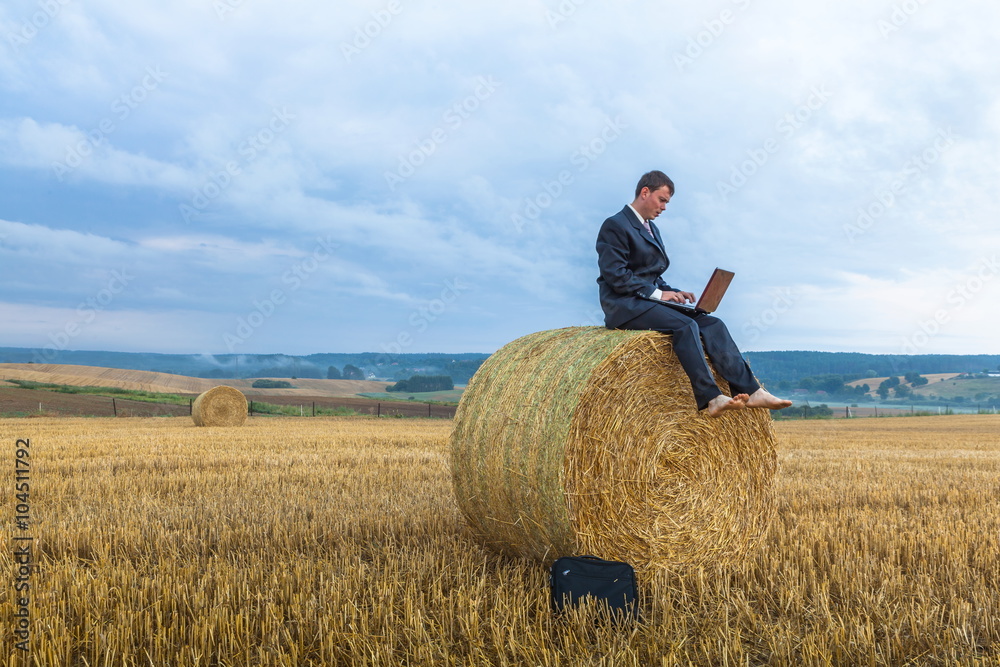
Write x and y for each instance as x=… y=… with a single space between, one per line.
x=397 y=176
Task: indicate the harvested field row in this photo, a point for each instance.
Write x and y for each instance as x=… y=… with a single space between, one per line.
x=31 y=402
x=364 y=406
x=24 y=402
x=167 y=383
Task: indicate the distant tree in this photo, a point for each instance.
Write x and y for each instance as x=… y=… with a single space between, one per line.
x=902 y=391
x=920 y=381
x=424 y=383
x=892 y=382
x=352 y=372
x=857 y=391
x=831 y=384
x=883 y=390
x=462 y=371
x=332 y=373
x=807 y=383
x=912 y=377
x=272 y=384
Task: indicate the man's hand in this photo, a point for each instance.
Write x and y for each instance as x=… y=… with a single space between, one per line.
x=677 y=297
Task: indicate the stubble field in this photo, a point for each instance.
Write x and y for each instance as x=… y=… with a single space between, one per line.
x=336 y=541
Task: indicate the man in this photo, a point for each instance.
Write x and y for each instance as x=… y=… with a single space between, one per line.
x=632 y=259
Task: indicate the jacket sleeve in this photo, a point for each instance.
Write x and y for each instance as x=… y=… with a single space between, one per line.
x=613 y=260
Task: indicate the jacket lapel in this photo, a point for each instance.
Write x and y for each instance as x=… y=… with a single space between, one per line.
x=641 y=229
x=658 y=238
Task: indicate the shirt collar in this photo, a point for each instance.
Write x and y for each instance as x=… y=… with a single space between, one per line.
x=636 y=213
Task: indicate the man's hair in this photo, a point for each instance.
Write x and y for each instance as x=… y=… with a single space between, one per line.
x=654 y=180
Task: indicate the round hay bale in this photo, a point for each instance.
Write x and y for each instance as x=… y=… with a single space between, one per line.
x=588 y=440
x=220 y=406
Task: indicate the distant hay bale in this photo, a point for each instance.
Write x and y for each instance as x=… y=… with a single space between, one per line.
x=220 y=406
x=586 y=440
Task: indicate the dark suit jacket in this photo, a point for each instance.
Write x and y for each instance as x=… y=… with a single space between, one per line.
x=631 y=263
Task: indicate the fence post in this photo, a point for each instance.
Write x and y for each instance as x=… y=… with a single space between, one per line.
x=314 y=408
x=428 y=409
x=114 y=406
x=379 y=409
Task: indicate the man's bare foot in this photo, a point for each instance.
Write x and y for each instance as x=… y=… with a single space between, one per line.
x=723 y=403
x=762 y=398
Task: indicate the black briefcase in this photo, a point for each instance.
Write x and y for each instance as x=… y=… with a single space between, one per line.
x=573 y=578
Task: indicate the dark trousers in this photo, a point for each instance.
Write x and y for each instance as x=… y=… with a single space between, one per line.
x=689 y=332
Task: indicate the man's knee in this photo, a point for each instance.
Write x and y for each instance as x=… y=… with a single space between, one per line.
x=688 y=327
x=713 y=326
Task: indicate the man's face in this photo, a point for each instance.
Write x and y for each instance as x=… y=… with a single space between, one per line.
x=651 y=204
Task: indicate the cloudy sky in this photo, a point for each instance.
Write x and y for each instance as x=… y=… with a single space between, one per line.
x=213 y=176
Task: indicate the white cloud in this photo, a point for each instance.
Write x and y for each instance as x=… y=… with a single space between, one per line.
x=201 y=133
x=37 y=243
x=68 y=153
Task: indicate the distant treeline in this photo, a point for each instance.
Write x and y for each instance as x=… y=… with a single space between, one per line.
x=375 y=365
x=424 y=383
x=775 y=367
x=770 y=367
x=272 y=384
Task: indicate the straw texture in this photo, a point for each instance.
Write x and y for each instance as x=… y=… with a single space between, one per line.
x=220 y=406
x=585 y=440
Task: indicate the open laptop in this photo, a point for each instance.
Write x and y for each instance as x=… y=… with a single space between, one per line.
x=710 y=296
